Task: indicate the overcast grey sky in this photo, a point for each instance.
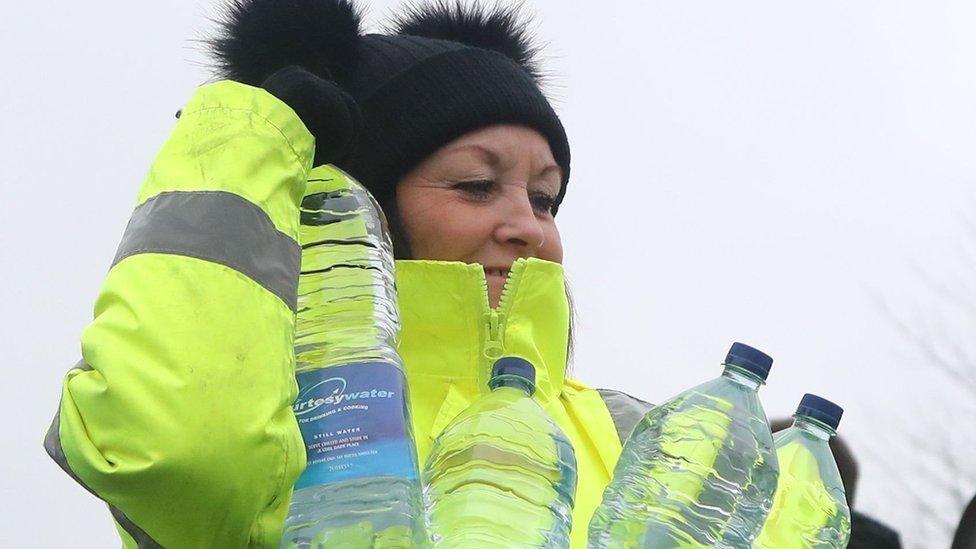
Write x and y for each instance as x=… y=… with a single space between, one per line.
x=756 y=171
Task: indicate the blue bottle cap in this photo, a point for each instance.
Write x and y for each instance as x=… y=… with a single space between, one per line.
x=514 y=366
x=820 y=409
x=750 y=359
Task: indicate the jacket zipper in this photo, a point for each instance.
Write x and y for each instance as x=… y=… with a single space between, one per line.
x=494 y=319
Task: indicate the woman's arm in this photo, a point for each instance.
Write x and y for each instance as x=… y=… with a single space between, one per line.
x=179 y=413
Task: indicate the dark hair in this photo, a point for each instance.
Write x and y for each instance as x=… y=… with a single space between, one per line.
x=571 y=339
x=398 y=233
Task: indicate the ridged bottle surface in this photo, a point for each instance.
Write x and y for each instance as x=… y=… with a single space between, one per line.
x=810 y=508
x=697 y=471
x=361 y=485
x=502 y=474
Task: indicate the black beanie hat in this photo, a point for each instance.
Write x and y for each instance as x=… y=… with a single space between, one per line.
x=442 y=70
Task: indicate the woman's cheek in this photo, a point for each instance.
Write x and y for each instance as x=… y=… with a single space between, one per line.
x=449 y=233
x=552 y=250
x=463 y=230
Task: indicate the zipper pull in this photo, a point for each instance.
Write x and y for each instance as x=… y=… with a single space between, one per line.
x=494 y=347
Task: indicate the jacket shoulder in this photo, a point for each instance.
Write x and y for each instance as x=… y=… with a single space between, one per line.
x=626 y=410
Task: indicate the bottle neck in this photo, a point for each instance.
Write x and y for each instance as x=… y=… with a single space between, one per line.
x=813 y=427
x=742 y=377
x=513 y=381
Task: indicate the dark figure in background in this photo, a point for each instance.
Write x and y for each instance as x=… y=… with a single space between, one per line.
x=966 y=531
x=866 y=533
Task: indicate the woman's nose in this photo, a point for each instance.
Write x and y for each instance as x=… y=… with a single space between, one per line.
x=519 y=226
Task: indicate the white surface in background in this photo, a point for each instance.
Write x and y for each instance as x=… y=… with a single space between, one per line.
x=754 y=171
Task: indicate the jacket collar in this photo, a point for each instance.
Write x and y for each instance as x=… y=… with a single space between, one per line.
x=445 y=330
x=450 y=334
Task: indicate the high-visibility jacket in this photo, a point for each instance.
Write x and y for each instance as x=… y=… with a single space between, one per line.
x=179 y=414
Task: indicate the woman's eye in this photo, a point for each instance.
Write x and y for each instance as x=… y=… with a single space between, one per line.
x=543 y=203
x=480 y=189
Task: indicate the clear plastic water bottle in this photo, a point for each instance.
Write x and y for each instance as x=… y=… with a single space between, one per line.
x=698 y=470
x=361 y=486
x=810 y=506
x=502 y=474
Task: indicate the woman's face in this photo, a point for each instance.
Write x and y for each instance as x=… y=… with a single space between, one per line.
x=485 y=198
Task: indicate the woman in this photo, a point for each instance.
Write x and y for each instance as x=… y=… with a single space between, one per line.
x=179 y=415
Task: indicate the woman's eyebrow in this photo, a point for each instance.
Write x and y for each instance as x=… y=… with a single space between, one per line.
x=548 y=171
x=488 y=155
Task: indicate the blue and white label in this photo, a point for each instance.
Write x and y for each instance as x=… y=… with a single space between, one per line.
x=353 y=420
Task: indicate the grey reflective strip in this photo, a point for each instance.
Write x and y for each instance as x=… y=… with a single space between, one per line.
x=142 y=539
x=220 y=227
x=52 y=444
x=625 y=410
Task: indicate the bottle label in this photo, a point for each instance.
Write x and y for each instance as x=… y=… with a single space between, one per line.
x=353 y=421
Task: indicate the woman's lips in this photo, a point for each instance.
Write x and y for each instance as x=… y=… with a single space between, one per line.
x=495 y=272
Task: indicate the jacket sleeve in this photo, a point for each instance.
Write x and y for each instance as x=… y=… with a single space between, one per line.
x=179 y=414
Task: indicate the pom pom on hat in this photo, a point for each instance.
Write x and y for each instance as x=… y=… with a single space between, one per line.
x=500 y=28
x=258 y=37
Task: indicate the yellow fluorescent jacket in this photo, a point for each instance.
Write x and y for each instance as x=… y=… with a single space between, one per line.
x=179 y=414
